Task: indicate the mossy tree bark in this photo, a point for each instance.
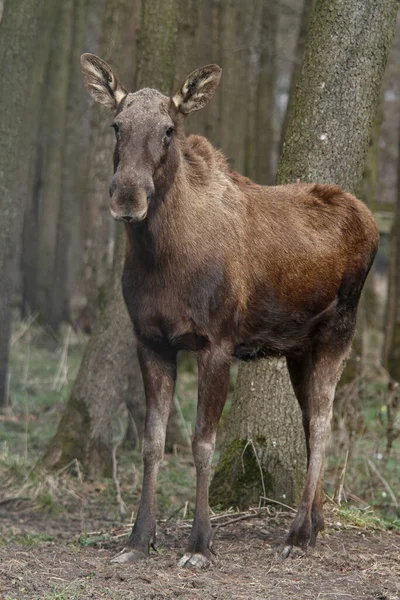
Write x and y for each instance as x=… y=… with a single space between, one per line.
x=109 y=377
x=328 y=132
x=22 y=56
x=264 y=454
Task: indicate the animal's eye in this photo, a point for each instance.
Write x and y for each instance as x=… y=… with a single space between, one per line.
x=168 y=134
x=115 y=126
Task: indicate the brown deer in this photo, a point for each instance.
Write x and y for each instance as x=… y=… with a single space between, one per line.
x=223 y=267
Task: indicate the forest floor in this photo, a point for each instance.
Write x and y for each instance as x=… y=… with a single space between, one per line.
x=46 y=557
x=58 y=531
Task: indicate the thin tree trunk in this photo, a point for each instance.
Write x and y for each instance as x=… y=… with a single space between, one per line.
x=261 y=146
x=355 y=365
x=238 y=32
x=19 y=31
x=299 y=52
x=31 y=214
x=328 y=132
x=53 y=142
x=69 y=243
x=392 y=329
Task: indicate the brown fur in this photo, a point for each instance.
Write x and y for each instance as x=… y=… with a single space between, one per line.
x=221 y=266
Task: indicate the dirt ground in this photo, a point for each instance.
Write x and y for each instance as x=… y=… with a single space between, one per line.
x=347 y=563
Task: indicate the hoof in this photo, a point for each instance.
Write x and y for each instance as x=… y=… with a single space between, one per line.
x=194 y=561
x=128 y=556
x=286 y=551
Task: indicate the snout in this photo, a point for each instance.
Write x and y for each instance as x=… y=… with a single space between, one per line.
x=129 y=204
x=129 y=217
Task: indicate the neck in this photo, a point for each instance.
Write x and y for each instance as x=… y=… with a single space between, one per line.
x=153 y=240
x=185 y=211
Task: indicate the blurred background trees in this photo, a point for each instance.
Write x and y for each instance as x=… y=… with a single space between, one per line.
x=58 y=242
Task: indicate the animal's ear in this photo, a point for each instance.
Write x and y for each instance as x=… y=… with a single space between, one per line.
x=198 y=89
x=101 y=82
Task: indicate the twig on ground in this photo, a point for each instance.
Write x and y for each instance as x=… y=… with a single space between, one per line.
x=175 y=512
x=61 y=376
x=26 y=426
x=186 y=430
x=340 y=484
x=383 y=480
x=120 y=503
x=23 y=329
x=242 y=518
x=7 y=391
x=251 y=443
x=27 y=364
x=279 y=503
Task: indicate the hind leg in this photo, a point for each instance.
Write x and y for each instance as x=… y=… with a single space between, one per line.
x=314 y=378
x=300 y=371
x=301 y=374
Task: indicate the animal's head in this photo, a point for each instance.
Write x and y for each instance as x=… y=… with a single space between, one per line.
x=146 y=125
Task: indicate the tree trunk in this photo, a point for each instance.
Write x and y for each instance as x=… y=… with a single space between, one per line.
x=69 y=243
x=91 y=418
x=265 y=451
x=32 y=186
x=328 y=132
x=109 y=379
x=260 y=143
x=238 y=29
x=367 y=309
x=392 y=329
x=53 y=142
x=19 y=42
x=300 y=46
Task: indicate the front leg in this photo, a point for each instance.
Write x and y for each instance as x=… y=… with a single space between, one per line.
x=159 y=375
x=213 y=388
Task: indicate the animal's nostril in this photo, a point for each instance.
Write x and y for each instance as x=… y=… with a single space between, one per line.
x=127 y=219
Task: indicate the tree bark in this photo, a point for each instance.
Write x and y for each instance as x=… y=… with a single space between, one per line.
x=53 y=127
x=29 y=251
x=328 y=132
x=264 y=454
x=367 y=310
x=96 y=405
x=69 y=243
x=300 y=47
x=392 y=329
x=19 y=41
x=260 y=137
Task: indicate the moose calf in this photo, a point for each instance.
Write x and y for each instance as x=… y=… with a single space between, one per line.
x=223 y=267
